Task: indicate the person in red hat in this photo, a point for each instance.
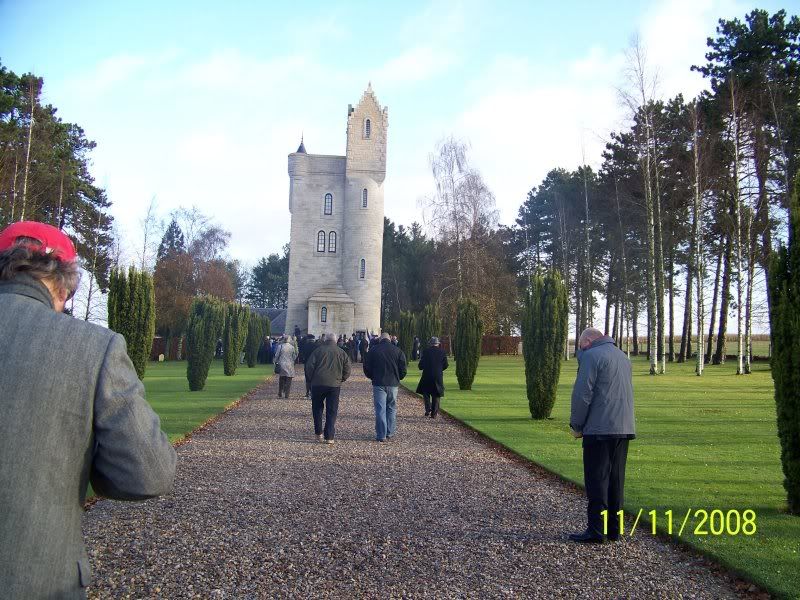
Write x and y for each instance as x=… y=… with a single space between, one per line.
x=73 y=412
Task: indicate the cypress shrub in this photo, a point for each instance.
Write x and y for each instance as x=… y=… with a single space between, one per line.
x=255 y=335
x=469 y=330
x=234 y=335
x=429 y=324
x=132 y=313
x=405 y=332
x=206 y=320
x=544 y=331
x=784 y=288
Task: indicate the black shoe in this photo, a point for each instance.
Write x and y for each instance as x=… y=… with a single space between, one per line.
x=427 y=414
x=614 y=538
x=587 y=537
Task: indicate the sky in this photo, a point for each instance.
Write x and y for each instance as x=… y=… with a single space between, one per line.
x=199 y=103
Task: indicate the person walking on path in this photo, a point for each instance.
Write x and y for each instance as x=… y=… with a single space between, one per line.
x=326 y=369
x=415 y=349
x=73 y=411
x=285 y=357
x=363 y=348
x=385 y=365
x=431 y=384
x=602 y=415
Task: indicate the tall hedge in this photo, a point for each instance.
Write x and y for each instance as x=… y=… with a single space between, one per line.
x=406 y=331
x=257 y=329
x=784 y=287
x=429 y=324
x=235 y=333
x=206 y=321
x=469 y=330
x=544 y=331
x=132 y=313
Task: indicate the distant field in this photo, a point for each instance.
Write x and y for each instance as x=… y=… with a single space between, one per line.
x=705 y=442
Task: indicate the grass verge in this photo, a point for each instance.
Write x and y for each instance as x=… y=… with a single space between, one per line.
x=703 y=443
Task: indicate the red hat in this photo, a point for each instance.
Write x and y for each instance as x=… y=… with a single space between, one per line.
x=53 y=241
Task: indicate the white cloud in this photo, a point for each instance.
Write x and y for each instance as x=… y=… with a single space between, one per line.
x=414 y=65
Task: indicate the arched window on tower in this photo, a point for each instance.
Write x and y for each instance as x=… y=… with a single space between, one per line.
x=320 y=241
x=362 y=269
x=364 y=198
x=367 y=128
x=332 y=241
x=323 y=315
x=328 y=204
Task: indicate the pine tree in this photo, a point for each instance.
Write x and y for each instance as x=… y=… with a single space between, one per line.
x=429 y=324
x=405 y=332
x=544 y=331
x=172 y=242
x=234 y=336
x=784 y=284
x=206 y=320
x=257 y=329
x=469 y=330
x=131 y=312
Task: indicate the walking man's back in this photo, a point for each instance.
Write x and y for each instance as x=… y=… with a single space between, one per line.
x=73 y=412
x=385 y=365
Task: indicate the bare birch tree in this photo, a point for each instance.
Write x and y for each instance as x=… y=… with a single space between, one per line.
x=639 y=101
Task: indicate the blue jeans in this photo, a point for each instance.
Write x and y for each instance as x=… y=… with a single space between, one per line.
x=385 y=400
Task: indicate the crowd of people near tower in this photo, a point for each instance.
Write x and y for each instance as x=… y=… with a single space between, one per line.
x=327 y=364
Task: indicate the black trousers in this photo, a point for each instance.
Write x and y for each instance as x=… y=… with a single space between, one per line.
x=284 y=385
x=431 y=404
x=327 y=398
x=604 y=477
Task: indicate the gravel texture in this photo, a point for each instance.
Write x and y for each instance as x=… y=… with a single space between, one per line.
x=262 y=510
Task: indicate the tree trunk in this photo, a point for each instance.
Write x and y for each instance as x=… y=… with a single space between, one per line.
x=721 y=352
x=616 y=331
x=671 y=292
x=713 y=313
x=659 y=260
x=608 y=297
x=751 y=267
x=686 y=332
x=635 y=327
x=28 y=156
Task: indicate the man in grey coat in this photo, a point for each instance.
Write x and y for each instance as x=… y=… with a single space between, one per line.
x=602 y=415
x=73 y=412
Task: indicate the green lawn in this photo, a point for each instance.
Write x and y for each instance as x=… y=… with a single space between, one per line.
x=180 y=410
x=705 y=442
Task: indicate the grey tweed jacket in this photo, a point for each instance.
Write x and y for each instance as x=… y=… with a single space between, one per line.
x=72 y=410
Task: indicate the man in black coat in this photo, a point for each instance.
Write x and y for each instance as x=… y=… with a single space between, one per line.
x=431 y=385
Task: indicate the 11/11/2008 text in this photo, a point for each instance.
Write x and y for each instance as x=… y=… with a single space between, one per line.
x=703 y=522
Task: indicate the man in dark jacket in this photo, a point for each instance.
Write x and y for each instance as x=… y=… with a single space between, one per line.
x=326 y=369
x=73 y=412
x=363 y=347
x=385 y=365
x=431 y=385
x=602 y=414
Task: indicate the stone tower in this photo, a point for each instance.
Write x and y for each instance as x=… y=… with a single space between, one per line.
x=336 y=243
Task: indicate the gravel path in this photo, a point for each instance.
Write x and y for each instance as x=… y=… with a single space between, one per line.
x=261 y=510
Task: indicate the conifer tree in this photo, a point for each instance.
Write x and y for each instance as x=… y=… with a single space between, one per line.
x=206 y=320
x=429 y=323
x=234 y=336
x=257 y=329
x=469 y=330
x=131 y=312
x=544 y=331
x=405 y=332
x=784 y=283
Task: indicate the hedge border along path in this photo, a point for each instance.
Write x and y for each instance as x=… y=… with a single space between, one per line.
x=261 y=510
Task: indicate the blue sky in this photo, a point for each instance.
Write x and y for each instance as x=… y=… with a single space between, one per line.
x=199 y=103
